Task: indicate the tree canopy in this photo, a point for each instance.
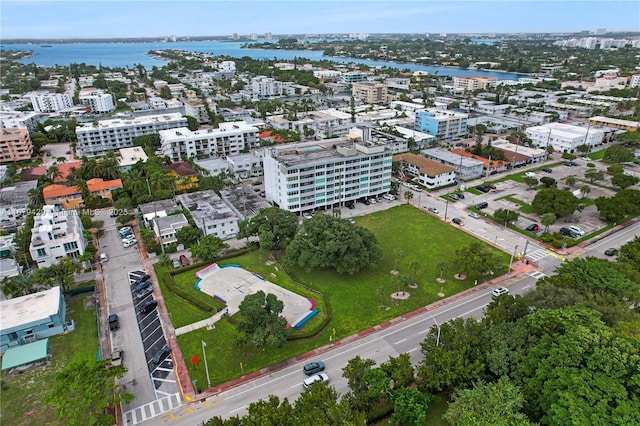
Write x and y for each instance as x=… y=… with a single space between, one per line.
x=260 y=321
x=553 y=200
x=274 y=227
x=327 y=242
x=208 y=248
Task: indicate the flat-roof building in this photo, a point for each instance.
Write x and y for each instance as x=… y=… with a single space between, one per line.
x=56 y=233
x=210 y=214
x=107 y=135
x=305 y=176
x=616 y=123
x=370 y=92
x=564 y=137
x=431 y=174
x=15 y=145
x=128 y=157
x=466 y=168
x=444 y=125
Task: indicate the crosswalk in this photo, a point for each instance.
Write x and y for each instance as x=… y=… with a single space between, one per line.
x=536 y=274
x=537 y=254
x=152 y=409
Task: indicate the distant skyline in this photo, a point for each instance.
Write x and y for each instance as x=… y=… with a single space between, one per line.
x=119 y=19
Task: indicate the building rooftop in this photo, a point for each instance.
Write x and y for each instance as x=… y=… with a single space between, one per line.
x=428 y=167
x=59 y=191
x=494 y=163
x=615 y=121
x=181 y=168
x=97 y=184
x=451 y=157
x=168 y=206
x=130 y=156
x=120 y=122
x=205 y=206
x=27 y=309
x=167 y=222
x=244 y=200
x=309 y=153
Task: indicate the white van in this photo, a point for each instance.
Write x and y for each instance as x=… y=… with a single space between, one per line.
x=104 y=258
x=322 y=377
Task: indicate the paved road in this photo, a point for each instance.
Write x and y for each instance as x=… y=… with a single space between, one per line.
x=403 y=336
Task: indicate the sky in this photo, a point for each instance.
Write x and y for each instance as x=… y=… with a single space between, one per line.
x=124 y=18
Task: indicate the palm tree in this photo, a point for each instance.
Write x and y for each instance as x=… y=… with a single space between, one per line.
x=442 y=266
x=408 y=195
x=36 y=198
x=398 y=253
x=547 y=220
x=415 y=265
x=134 y=181
x=570 y=180
x=109 y=166
x=584 y=190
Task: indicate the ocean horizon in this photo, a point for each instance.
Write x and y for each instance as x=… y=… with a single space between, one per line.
x=127 y=55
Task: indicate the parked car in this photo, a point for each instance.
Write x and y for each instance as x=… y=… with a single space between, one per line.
x=114 y=322
x=144 y=293
x=457 y=221
x=373 y=200
x=611 y=251
x=388 y=197
x=547 y=170
x=568 y=233
x=322 y=377
x=492 y=186
x=183 y=260
x=482 y=205
x=159 y=356
x=576 y=230
x=129 y=237
x=433 y=210
x=104 y=257
x=483 y=188
x=454 y=197
x=142 y=286
x=138 y=280
x=571 y=219
x=460 y=195
x=474 y=215
x=571 y=164
x=313 y=368
x=129 y=243
x=533 y=227
x=352 y=221
x=366 y=202
x=116 y=356
x=148 y=306
x=176 y=263
x=530 y=174
x=350 y=206
x=499 y=291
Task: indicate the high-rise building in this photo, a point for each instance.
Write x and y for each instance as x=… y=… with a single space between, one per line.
x=263 y=87
x=253 y=36
x=267 y=36
x=370 y=92
x=473 y=83
x=99 y=101
x=49 y=102
x=235 y=36
x=305 y=176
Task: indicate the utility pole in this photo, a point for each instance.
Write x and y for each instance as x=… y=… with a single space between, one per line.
x=206 y=364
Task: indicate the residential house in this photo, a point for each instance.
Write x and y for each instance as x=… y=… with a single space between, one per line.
x=185 y=176
x=32 y=317
x=160 y=208
x=103 y=188
x=69 y=197
x=166 y=228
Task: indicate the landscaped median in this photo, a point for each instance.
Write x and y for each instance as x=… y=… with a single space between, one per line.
x=416 y=243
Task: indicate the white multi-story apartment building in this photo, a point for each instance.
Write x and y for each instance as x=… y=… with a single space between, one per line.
x=227 y=68
x=230 y=138
x=56 y=233
x=49 y=102
x=353 y=77
x=320 y=175
x=564 y=137
x=196 y=109
x=473 y=83
x=634 y=81
x=210 y=214
x=107 y=135
x=156 y=102
x=264 y=87
x=370 y=92
x=97 y=100
x=444 y=125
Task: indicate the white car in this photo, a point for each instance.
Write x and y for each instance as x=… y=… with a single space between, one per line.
x=388 y=197
x=322 y=377
x=129 y=243
x=576 y=230
x=474 y=215
x=433 y=210
x=499 y=291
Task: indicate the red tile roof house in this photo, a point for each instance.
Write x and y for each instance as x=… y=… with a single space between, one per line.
x=102 y=188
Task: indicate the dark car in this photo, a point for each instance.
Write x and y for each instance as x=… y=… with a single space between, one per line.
x=533 y=227
x=457 y=221
x=350 y=206
x=547 y=170
x=571 y=220
x=482 y=205
x=114 y=323
x=611 y=251
x=313 y=368
x=483 y=188
x=159 y=356
x=144 y=293
x=571 y=164
x=148 y=306
x=143 y=285
x=138 y=280
x=183 y=260
x=568 y=233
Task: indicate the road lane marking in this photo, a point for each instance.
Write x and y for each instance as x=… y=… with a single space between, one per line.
x=414 y=349
x=400 y=341
x=238 y=409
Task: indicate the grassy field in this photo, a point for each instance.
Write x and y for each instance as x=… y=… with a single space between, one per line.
x=354 y=300
x=22 y=394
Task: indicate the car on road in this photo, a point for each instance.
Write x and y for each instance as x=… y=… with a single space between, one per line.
x=533 y=227
x=474 y=215
x=547 y=170
x=322 y=378
x=457 y=221
x=104 y=257
x=148 y=306
x=176 y=263
x=114 y=322
x=116 y=356
x=611 y=251
x=313 y=368
x=576 y=230
x=499 y=291
x=433 y=210
x=184 y=261
x=159 y=356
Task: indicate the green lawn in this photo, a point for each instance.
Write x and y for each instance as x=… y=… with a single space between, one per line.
x=524 y=207
x=598 y=155
x=23 y=393
x=354 y=300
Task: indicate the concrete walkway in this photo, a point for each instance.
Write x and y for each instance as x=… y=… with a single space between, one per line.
x=208 y=323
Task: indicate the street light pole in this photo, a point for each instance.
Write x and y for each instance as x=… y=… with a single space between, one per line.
x=438 y=326
x=511 y=260
x=206 y=364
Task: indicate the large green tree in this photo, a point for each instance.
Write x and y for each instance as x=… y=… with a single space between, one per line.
x=557 y=201
x=475 y=260
x=618 y=154
x=208 y=248
x=86 y=393
x=260 y=322
x=327 y=242
x=275 y=227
